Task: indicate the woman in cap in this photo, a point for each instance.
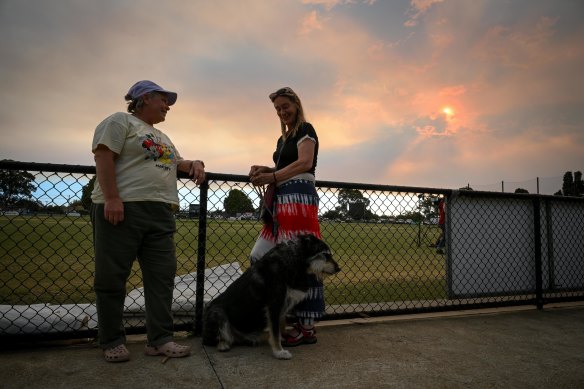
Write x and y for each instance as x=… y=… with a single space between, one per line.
x=134 y=200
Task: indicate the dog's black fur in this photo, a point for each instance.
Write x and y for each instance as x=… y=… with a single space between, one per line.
x=264 y=293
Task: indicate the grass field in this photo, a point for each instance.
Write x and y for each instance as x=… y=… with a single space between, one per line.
x=49 y=259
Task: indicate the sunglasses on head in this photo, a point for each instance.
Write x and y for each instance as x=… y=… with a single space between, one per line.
x=286 y=91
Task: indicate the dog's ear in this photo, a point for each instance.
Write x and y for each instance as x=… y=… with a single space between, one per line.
x=309 y=243
x=310 y=246
x=314 y=240
x=304 y=242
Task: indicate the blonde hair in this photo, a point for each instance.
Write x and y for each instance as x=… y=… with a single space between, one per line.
x=300 y=117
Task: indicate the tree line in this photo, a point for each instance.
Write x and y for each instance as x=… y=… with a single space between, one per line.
x=17 y=188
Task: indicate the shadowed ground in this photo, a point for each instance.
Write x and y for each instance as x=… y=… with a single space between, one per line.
x=497 y=348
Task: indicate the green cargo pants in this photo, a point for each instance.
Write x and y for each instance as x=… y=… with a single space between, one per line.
x=146 y=234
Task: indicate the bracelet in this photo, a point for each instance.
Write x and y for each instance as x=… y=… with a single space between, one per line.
x=201 y=162
x=275 y=180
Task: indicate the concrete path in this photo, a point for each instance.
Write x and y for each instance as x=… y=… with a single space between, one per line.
x=497 y=348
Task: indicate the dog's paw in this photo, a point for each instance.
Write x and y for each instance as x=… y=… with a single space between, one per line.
x=251 y=342
x=223 y=346
x=283 y=354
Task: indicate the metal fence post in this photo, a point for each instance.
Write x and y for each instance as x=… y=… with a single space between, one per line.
x=537 y=242
x=201 y=260
x=550 y=245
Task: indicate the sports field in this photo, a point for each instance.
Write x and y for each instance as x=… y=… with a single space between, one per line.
x=49 y=259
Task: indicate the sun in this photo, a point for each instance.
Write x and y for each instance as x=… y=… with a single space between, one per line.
x=447 y=111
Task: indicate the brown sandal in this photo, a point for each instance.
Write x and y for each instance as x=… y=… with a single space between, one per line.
x=118 y=353
x=169 y=349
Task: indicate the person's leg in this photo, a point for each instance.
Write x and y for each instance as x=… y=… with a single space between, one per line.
x=115 y=251
x=298 y=214
x=260 y=248
x=307 y=311
x=442 y=241
x=158 y=263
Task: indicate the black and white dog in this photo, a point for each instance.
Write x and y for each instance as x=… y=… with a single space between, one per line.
x=264 y=293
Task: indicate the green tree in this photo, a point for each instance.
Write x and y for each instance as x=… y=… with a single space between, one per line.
x=237 y=202
x=356 y=211
x=414 y=216
x=572 y=185
x=428 y=205
x=578 y=184
x=332 y=214
x=53 y=209
x=76 y=205
x=30 y=205
x=521 y=190
x=353 y=203
x=568 y=184
x=86 y=193
x=15 y=185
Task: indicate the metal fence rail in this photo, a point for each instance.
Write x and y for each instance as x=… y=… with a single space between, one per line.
x=501 y=249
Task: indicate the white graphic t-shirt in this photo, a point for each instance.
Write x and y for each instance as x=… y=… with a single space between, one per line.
x=146 y=160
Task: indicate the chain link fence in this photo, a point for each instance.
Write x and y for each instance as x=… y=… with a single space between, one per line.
x=538 y=185
x=501 y=249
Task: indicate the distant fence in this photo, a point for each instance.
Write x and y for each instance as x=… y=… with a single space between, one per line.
x=501 y=249
x=538 y=185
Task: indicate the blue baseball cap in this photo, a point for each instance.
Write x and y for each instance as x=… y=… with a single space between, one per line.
x=142 y=87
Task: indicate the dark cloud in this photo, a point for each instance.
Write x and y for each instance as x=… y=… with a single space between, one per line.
x=374 y=87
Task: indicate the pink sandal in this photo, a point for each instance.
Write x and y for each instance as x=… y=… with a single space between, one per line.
x=117 y=354
x=169 y=349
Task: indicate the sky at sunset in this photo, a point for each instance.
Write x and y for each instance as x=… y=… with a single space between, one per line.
x=428 y=93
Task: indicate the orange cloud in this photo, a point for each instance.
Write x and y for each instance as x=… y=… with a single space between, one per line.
x=310 y=23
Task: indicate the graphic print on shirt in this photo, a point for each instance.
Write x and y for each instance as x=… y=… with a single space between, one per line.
x=158 y=151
